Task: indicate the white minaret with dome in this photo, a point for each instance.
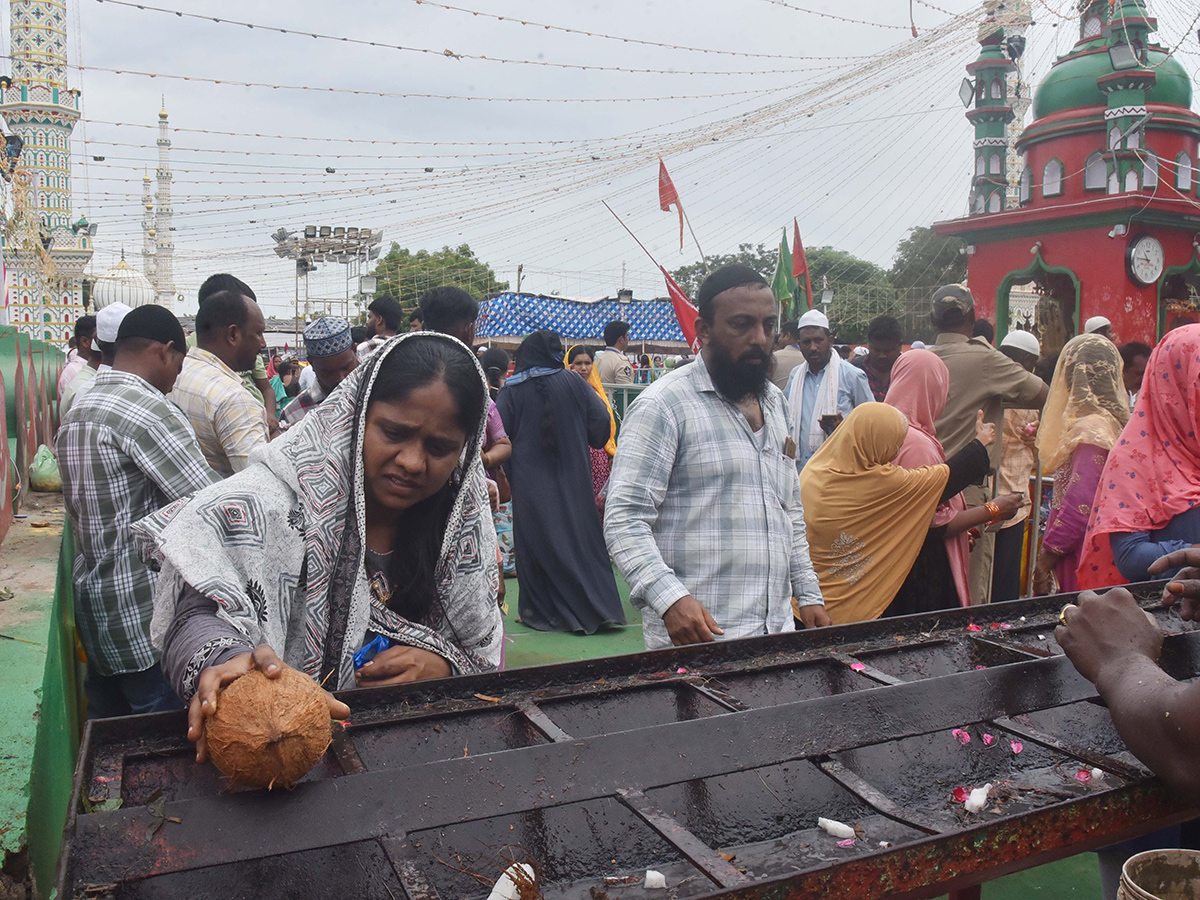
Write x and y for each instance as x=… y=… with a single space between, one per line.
x=164 y=242
x=122 y=284
x=45 y=251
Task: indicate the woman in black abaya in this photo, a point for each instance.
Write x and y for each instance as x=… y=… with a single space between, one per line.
x=552 y=417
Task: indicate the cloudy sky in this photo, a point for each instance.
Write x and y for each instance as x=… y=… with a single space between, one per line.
x=849 y=124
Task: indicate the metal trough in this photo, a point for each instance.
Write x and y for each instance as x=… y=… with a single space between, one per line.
x=710 y=764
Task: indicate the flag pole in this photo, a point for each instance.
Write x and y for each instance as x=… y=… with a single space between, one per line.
x=703 y=258
x=634 y=236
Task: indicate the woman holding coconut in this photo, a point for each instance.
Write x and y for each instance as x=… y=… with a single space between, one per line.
x=367 y=525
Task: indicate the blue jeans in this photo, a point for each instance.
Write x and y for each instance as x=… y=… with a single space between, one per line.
x=128 y=694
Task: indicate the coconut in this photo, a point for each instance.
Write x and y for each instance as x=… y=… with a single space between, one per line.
x=269 y=731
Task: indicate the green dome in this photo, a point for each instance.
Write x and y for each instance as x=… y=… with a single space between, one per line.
x=1071 y=83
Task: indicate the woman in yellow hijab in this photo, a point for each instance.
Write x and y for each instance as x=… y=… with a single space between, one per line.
x=867 y=517
x=579 y=359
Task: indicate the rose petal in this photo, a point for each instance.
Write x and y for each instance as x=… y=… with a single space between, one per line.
x=981 y=667
x=849 y=842
x=1004 y=626
x=987 y=740
x=681 y=671
x=995 y=626
x=961 y=794
x=962 y=736
x=1083 y=775
x=974 y=627
x=857 y=666
x=1017 y=746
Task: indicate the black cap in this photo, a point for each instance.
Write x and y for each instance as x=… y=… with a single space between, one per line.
x=725 y=278
x=155 y=323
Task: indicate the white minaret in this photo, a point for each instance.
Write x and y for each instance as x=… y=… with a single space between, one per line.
x=46 y=255
x=147 y=229
x=164 y=244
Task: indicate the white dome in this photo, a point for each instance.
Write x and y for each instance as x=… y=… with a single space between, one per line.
x=122 y=283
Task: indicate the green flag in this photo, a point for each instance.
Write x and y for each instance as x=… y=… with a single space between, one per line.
x=783 y=283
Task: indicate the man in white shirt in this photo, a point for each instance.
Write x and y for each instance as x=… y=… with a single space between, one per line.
x=611 y=363
x=823 y=389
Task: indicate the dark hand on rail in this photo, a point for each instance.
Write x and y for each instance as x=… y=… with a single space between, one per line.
x=1105 y=631
x=1185 y=586
x=688 y=622
x=212 y=680
x=814 y=616
x=399 y=665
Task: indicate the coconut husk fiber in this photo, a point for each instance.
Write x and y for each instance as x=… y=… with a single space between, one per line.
x=269 y=732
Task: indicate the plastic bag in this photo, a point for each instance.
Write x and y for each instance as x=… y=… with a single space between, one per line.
x=43 y=472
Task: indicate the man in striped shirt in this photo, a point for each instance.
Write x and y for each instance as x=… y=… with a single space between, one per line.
x=125 y=451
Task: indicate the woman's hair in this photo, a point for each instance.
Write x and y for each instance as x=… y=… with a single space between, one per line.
x=415 y=363
x=283 y=367
x=644 y=361
x=577 y=351
x=495 y=363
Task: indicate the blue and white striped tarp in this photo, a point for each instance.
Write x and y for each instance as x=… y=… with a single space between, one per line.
x=516 y=315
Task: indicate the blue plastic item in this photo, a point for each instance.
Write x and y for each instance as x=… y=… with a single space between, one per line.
x=367 y=652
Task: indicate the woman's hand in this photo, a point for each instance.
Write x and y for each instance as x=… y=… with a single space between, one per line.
x=493 y=495
x=399 y=665
x=985 y=432
x=212 y=680
x=1043 y=574
x=1010 y=505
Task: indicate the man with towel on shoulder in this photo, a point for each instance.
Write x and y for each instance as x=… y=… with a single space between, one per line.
x=822 y=390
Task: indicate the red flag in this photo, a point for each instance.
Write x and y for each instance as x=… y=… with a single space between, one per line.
x=668 y=197
x=685 y=310
x=800 y=264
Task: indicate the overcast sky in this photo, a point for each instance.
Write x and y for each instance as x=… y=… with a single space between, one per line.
x=859 y=134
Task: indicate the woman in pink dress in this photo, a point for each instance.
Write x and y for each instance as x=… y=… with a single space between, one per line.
x=1082 y=420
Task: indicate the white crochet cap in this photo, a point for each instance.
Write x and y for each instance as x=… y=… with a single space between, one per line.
x=1022 y=340
x=1095 y=323
x=814 y=318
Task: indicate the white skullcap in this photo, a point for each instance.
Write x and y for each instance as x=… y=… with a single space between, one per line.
x=1022 y=340
x=1095 y=323
x=861 y=351
x=917 y=345
x=108 y=321
x=814 y=318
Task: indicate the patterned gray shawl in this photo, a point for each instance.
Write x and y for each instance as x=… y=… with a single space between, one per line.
x=280 y=547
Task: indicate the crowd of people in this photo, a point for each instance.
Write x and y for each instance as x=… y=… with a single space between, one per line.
x=355 y=519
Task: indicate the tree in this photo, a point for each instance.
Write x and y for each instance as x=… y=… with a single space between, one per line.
x=928 y=260
x=760 y=259
x=406 y=275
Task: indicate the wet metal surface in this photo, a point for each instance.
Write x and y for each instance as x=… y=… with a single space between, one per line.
x=710 y=764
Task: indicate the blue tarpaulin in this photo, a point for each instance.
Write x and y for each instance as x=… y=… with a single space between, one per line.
x=515 y=315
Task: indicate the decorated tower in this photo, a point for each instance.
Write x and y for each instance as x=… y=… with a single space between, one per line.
x=990 y=114
x=164 y=244
x=147 y=229
x=1107 y=220
x=46 y=252
x=1017 y=19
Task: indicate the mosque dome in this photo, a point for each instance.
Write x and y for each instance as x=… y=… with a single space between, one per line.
x=1072 y=82
x=122 y=283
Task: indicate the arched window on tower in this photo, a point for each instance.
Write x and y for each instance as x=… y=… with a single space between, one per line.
x=1095 y=172
x=1052 y=179
x=1183 y=172
x=997 y=89
x=977 y=203
x=1134 y=141
x=1150 y=171
x=979 y=163
x=994 y=201
x=1114 y=138
x=1114 y=181
x=1025 y=185
x=994 y=164
x=1131 y=180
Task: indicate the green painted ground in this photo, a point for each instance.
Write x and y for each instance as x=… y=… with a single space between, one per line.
x=1074 y=877
x=28 y=562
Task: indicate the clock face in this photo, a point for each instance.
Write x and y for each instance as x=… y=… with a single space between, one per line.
x=1144 y=260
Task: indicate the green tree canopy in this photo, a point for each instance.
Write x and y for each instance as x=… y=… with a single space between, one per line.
x=761 y=259
x=926 y=259
x=406 y=275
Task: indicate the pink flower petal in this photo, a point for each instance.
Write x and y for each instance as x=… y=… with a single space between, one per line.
x=849 y=842
x=681 y=671
x=1083 y=775
x=987 y=740
x=961 y=794
x=1004 y=626
x=981 y=667
x=1017 y=746
x=857 y=666
x=973 y=627
x=962 y=736
x=995 y=626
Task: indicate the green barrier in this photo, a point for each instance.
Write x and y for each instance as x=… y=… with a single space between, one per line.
x=60 y=725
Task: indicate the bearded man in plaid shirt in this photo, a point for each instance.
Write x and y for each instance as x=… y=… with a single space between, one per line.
x=125 y=451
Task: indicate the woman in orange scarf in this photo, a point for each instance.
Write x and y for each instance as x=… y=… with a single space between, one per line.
x=867 y=517
x=579 y=359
